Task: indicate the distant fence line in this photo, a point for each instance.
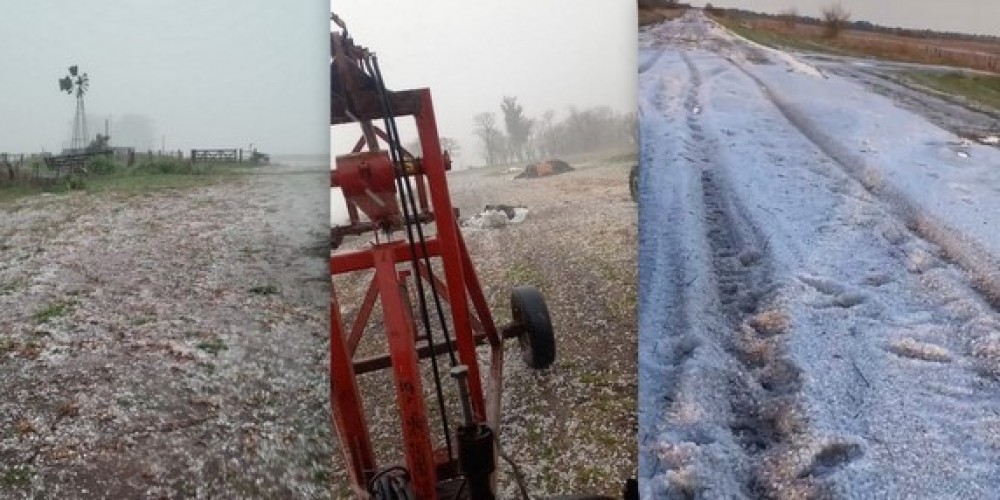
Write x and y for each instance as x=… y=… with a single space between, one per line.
x=210 y=155
x=49 y=167
x=30 y=165
x=229 y=155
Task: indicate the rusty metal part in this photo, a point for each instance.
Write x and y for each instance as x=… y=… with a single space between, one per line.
x=366 y=176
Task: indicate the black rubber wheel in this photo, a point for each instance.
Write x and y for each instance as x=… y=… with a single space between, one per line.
x=538 y=343
x=633 y=183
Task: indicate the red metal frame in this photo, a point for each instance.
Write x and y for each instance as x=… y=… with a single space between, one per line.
x=470 y=321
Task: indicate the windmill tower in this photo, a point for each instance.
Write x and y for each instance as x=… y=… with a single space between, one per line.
x=78 y=83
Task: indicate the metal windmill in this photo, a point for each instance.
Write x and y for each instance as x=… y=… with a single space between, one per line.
x=79 y=83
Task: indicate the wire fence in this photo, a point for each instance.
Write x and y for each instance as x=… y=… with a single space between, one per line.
x=42 y=168
x=45 y=168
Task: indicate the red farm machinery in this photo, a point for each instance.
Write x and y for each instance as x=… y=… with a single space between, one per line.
x=396 y=198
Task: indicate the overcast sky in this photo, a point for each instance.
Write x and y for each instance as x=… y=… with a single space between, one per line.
x=219 y=73
x=549 y=54
x=965 y=16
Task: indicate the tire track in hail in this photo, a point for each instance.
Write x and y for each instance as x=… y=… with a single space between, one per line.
x=765 y=394
x=829 y=452
x=662 y=308
x=976 y=261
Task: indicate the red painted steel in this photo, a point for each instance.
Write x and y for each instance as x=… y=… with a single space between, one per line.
x=363 y=177
x=416 y=430
x=348 y=414
x=362 y=260
x=451 y=253
x=367 y=181
x=361 y=320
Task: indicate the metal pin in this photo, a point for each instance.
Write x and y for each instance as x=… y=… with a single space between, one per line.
x=461 y=374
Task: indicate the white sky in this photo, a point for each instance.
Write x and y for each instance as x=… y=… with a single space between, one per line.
x=219 y=73
x=964 y=16
x=549 y=54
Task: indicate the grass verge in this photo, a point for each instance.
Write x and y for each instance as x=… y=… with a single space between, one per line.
x=930 y=50
x=983 y=89
x=150 y=175
x=777 y=39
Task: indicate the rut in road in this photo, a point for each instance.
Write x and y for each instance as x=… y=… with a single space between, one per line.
x=933 y=291
x=975 y=260
x=761 y=383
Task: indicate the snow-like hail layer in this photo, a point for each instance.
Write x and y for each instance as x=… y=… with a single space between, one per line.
x=816 y=273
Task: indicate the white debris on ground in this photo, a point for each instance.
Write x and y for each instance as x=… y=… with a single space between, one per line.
x=818 y=284
x=790 y=61
x=570 y=428
x=167 y=344
x=495 y=218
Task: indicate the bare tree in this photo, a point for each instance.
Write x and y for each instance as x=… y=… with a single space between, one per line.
x=584 y=131
x=835 y=19
x=491 y=140
x=451 y=146
x=447 y=144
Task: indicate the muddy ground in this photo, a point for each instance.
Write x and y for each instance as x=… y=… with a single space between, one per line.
x=570 y=428
x=167 y=344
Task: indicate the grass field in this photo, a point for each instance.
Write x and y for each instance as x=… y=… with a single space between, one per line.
x=983 y=89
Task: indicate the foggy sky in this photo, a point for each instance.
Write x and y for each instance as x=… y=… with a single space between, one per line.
x=549 y=54
x=220 y=73
x=964 y=16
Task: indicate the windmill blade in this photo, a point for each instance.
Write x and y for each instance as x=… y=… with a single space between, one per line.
x=72 y=70
x=66 y=84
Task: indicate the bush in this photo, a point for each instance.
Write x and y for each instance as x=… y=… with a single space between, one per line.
x=102 y=165
x=71 y=183
x=835 y=19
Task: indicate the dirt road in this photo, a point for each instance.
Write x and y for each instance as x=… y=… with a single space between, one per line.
x=168 y=344
x=817 y=283
x=570 y=428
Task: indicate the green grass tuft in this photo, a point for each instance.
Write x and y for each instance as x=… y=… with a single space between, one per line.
x=54 y=310
x=264 y=290
x=212 y=346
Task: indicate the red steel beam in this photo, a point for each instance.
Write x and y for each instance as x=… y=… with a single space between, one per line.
x=416 y=431
x=361 y=320
x=362 y=260
x=476 y=294
x=451 y=252
x=348 y=414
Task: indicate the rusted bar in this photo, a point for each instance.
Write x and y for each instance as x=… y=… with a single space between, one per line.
x=382 y=362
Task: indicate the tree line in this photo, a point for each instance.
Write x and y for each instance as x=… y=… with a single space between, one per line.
x=516 y=137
